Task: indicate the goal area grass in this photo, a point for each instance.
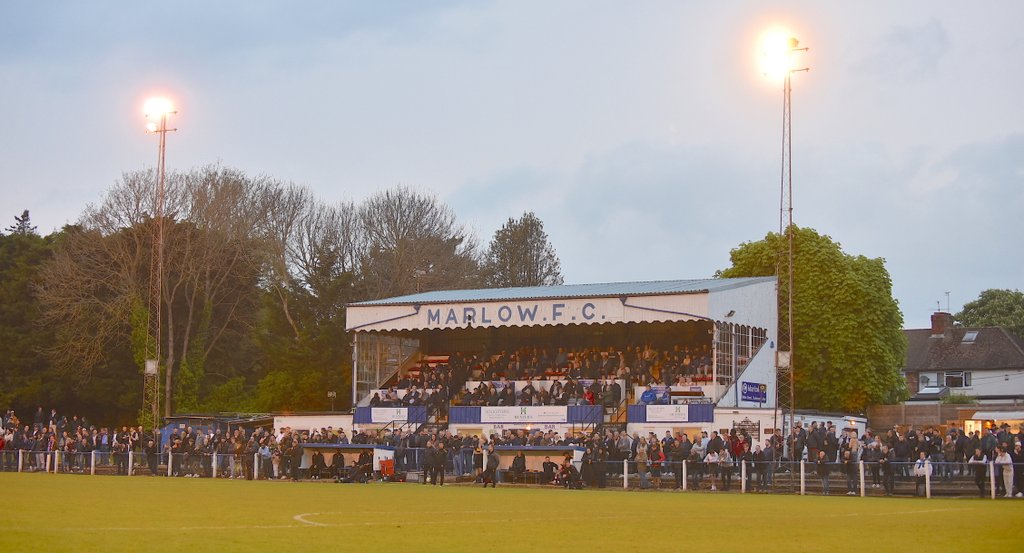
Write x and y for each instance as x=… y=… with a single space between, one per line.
x=46 y=512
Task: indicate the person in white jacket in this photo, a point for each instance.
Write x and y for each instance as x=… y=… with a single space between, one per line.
x=1004 y=462
x=922 y=470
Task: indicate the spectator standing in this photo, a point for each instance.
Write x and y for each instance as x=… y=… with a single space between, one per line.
x=849 y=469
x=696 y=466
x=823 y=470
x=747 y=460
x=641 y=463
x=680 y=452
x=1004 y=472
x=978 y=463
x=491 y=467
x=440 y=460
x=711 y=463
x=656 y=458
x=1017 y=456
x=885 y=462
x=427 y=460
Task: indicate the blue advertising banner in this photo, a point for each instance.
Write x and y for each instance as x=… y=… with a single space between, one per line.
x=755 y=392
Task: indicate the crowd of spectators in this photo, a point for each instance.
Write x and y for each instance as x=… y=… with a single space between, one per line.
x=638 y=365
x=605 y=391
x=50 y=433
x=587 y=376
x=428 y=384
x=902 y=453
x=711 y=461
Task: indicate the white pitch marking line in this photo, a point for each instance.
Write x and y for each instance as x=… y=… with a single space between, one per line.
x=179 y=528
x=887 y=513
x=302 y=518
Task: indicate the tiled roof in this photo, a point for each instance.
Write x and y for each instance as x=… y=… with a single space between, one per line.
x=993 y=348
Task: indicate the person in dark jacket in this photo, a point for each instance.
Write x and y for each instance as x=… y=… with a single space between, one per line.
x=680 y=453
x=318 y=465
x=549 y=469
x=830 y=443
x=296 y=460
x=849 y=469
x=978 y=463
x=363 y=469
x=746 y=459
x=569 y=476
x=588 y=472
x=478 y=463
x=337 y=469
x=152 y=459
x=813 y=443
x=440 y=460
x=519 y=468
x=491 y=467
x=885 y=463
x=427 y=460
x=823 y=471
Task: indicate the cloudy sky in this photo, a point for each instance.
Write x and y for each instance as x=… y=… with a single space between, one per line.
x=642 y=133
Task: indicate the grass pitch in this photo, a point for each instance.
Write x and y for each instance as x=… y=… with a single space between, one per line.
x=104 y=513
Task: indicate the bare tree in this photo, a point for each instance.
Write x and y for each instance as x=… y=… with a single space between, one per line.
x=413 y=243
x=94 y=288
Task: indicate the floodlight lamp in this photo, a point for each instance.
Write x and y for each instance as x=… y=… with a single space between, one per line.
x=157 y=107
x=776 y=48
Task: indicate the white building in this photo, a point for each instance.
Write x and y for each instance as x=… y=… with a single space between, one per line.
x=984 y=363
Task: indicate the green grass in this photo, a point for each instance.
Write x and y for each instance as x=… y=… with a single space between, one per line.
x=104 y=513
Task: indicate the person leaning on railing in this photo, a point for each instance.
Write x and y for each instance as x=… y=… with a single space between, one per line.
x=1004 y=471
x=978 y=463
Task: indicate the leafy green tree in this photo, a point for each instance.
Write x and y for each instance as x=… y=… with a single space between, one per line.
x=995 y=307
x=848 y=343
x=25 y=375
x=521 y=255
x=301 y=368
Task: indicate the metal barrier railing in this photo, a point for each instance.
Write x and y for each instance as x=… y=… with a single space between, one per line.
x=861 y=478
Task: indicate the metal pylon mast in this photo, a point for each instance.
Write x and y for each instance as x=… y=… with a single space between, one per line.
x=785 y=401
x=151 y=385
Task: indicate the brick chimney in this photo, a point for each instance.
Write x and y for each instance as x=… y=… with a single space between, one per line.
x=942 y=325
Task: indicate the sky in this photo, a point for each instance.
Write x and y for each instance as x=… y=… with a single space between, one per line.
x=643 y=134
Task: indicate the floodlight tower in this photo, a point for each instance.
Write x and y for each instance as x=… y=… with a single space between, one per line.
x=156 y=110
x=778 y=62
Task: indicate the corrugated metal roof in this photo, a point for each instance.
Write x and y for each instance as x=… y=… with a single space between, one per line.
x=609 y=289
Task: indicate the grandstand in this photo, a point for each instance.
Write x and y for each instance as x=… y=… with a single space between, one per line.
x=639 y=356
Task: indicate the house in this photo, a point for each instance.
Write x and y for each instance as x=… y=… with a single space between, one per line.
x=984 y=363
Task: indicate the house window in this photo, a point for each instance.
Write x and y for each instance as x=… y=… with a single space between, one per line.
x=970 y=336
x=957 y=379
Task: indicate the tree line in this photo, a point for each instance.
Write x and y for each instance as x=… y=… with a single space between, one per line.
x=257 y=273
x=256 y=276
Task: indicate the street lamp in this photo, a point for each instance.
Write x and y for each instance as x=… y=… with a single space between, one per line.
x=331 y=395
x=156 y=111
x=777 y=62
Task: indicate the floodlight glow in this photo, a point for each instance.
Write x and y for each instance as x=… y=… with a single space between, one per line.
x=157 y=107
x=776 y=61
